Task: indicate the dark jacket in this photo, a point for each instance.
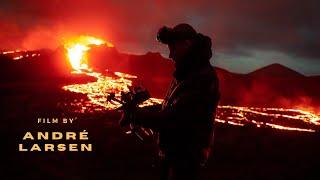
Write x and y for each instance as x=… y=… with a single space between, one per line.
x=186 y=118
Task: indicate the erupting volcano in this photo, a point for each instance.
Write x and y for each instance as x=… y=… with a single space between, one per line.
x=117 y=82
x=98 y=91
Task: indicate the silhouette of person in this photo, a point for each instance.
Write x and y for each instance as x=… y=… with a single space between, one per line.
x=185 y=121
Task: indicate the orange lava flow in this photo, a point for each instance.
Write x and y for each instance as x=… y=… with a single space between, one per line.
x=19 y=54
x=98 y=91
x=279 y=118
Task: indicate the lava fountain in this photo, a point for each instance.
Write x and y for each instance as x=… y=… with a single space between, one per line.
x=77 y=50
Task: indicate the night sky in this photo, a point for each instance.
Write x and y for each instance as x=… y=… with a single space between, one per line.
x=246 y=34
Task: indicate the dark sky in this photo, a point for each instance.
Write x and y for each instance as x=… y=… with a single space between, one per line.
x=247 y=34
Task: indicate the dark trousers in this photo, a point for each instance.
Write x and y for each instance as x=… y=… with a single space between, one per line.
x=180 y=167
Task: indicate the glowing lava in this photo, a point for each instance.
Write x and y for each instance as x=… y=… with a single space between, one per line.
x=279 y=118
x=77 y=50
x=97 y=93
x=19 y=54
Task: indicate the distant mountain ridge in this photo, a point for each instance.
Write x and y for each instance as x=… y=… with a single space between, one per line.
x=276 y=70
